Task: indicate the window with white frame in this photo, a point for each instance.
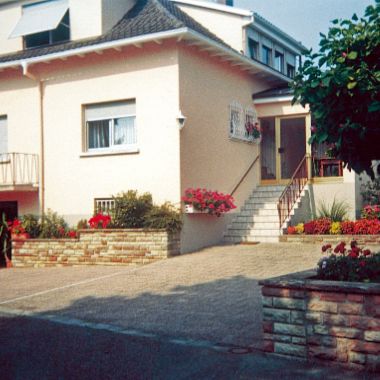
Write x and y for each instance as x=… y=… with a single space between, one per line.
x=111 y=126
x=3 y=135
x=43 y=23
x=243 y=123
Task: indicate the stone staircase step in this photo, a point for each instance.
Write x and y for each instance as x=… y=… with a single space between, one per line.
x=257 y=220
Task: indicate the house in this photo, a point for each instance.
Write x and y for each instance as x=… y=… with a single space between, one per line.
x=102 y=96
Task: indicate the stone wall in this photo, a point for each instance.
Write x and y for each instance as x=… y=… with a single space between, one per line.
x=97 y=247
x=333 y=239
x=323 y=320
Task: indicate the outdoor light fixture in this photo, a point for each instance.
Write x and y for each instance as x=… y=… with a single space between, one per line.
x=181 y=120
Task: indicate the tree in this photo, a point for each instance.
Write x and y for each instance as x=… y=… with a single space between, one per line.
x=341 y=85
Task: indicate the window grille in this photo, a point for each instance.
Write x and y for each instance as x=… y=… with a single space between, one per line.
x=104 y=205
x=240 y=120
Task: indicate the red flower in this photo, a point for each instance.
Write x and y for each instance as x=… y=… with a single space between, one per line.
x=366 y=252
x=72 y=234
x=362 y=263
x=99 y=221
x=353 y=255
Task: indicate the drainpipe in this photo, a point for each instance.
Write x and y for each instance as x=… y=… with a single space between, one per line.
x=40 y=84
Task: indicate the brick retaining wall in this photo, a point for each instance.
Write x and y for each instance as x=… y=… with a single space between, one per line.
x=334 y=239
x=97 y=247
x=324 y=320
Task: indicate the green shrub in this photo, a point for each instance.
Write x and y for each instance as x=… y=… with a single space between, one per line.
x=53 y=226
x=130 y=209
x=165 y=216
x=82 y=224
x=336 y=212
x=370 y=192
x=31 y=224
x=5 y=243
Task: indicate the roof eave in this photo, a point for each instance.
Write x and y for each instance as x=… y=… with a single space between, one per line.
x=192 y=37
x=116 y=44
x=238 y=59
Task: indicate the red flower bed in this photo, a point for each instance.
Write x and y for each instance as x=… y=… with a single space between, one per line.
x=322 y=226
x=349 y=263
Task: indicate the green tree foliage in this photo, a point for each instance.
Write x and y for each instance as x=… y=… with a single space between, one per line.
x=341 y=84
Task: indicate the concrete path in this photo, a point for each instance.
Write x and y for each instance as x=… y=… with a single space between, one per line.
x=32 y=349
x=197 y=316
x=210 y=295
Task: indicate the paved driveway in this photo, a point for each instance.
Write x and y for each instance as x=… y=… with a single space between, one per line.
x=208 y=296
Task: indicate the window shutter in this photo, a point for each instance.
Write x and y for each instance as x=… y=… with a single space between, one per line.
x=110 y=110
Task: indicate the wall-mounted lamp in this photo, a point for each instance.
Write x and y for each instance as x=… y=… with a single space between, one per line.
x=181 y=120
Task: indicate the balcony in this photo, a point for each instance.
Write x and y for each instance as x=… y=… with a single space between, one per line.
x=19 y=172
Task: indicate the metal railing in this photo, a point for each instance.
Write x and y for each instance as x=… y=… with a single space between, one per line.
x=19 y=169
x=293 y=189
x=242 y=178
x=104 y=205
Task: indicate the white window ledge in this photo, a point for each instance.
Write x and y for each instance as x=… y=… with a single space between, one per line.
x=110 y=153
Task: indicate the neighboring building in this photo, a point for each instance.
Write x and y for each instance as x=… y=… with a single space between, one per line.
x=92 y=94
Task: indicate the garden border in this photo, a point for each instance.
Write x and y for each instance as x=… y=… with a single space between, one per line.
x=317 y=239
x=322 y=320
x=97 y=247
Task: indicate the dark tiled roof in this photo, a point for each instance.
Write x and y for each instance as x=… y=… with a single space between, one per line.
x=273 y=93
x=146 y=17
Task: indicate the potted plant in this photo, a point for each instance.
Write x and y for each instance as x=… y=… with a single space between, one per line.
x=253 y=131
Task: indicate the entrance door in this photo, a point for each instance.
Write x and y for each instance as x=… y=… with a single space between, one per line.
x=10 y=210
x=292 y=147
x=283 y=146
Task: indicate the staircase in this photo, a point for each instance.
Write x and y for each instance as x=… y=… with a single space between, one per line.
x=258 y=219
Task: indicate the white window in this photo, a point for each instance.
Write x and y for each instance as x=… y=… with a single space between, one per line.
x=266 y=55
x=111 y=126
x=279 y=61
x=243 y=123
x=43 y=23
x=3 y=135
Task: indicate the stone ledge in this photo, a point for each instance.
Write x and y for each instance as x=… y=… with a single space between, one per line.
x=318 y=239
x=304 y=281
x=340 y=322
x=123 y=247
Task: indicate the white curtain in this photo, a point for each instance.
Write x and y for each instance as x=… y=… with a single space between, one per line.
x=124 y=131
x=98 y=134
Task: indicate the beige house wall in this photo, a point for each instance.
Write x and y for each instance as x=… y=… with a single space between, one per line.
x=20 y=103
x=85 y=18
x=209 y=158
x=229 y=27
x=73 y=179
x=9 y=15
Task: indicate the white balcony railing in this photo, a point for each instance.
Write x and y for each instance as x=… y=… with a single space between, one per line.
x=19 y=169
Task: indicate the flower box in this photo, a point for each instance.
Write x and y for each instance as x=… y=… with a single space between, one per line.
x=189 y=209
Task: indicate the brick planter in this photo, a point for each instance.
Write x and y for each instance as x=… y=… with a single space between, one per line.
x=324 y=320
x=334 y=239
x=97 y=247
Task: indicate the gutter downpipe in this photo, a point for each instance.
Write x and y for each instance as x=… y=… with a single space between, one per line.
x=40 y=83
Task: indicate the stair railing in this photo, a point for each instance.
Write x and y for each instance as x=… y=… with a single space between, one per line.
x=242 y=178
x=293 y=189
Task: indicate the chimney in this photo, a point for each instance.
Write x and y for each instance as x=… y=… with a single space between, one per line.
x=226 y=2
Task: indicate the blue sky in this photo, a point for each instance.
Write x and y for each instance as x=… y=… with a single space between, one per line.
x=305 y=19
